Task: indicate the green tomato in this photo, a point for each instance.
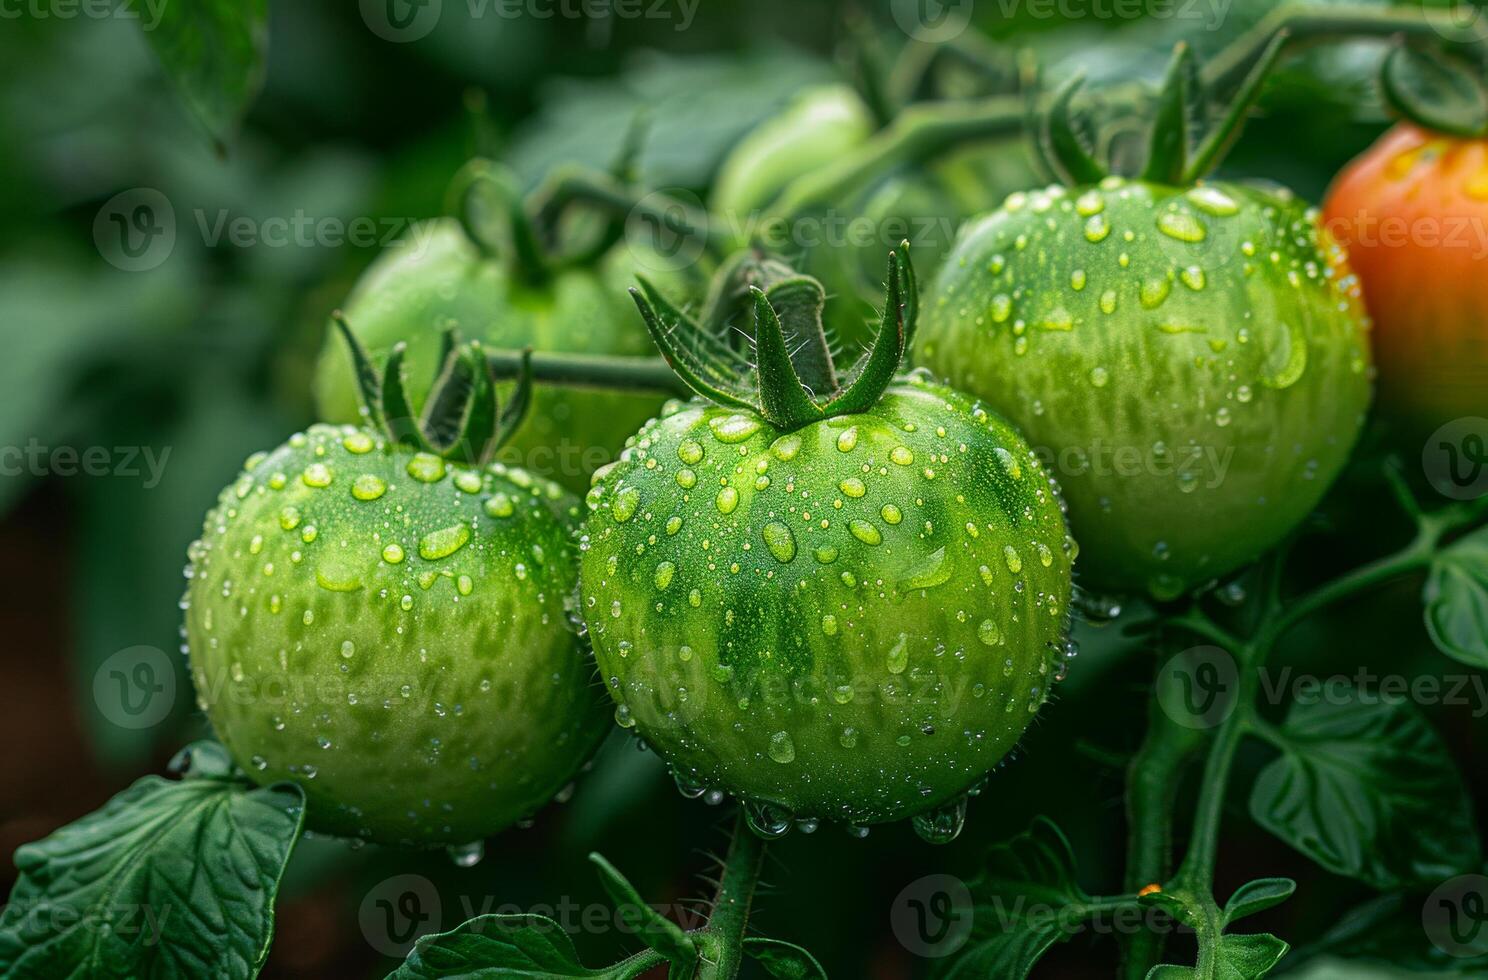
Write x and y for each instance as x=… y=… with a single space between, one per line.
x=436 y=278
x=1192 y=361
x=814 y=131
x=389 y=632
x=854 y=621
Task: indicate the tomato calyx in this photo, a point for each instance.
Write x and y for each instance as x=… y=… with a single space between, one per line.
x=462 y=420
x=1436 y=91
x=1172 y=156
x=791 y=380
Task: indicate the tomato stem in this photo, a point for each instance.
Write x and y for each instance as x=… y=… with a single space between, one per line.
x=722 y=939
x=637 y=374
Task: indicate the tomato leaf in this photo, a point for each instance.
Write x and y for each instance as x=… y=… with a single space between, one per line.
x=1456 y=598
x=1258 y=896
x=655 y=929
x=1436 y=92
x=183 y=872
x=506 y=946
x=1247 y=957
x=785 y=961
x=1026 y=879
x=1365 y=788
x=213 y=51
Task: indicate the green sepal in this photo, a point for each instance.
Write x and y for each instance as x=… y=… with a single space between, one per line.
x=397 y=414
x=448 y=407
x=1222 y=137
x=1435 y=92
x=783 y=399
x=799 y=302
x=479 y=432
x=708 y=367
x=369 y=386
x=1074 y=164
x=877 y=368
x=654 y=929
x=517 y=406
x=1167 y=152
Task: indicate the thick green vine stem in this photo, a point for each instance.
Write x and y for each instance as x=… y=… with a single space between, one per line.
x=792 y=380
x=462 y=420
x=721 y=942
x=1168 y=750
x=609 y=372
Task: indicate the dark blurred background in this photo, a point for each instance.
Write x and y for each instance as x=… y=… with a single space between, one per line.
x=205 y=357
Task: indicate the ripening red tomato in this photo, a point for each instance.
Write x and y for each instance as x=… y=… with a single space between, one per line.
x=1413 y=214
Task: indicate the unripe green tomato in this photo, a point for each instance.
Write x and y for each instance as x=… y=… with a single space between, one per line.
x=1194 y=362
x=436 y=278
x=853 y=621
x=814 y=131
x=389 y=632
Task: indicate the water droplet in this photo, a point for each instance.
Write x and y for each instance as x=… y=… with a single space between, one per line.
x=768 y=820
x=426 y=468
x=865 y=532
x=943 y=824
x=664 y=573
x=898 y=658
x=1213 y=201
x=358 y=443
x=890 y=514
x=786 y=447
x=1014 y=561
x=727 y=500
x=468 y=481
x=847 y=441
x=368 y=487
x=468 y=855
x=624 y=506
x=988 y=633
x=733 y=428
x=1099 y=376
x=829 y=624
x=686 y=479
x=853 y=487
x=443 y=542
x=499 y=505
x=316 y=475
x=780 y=541
x=782 y=748
x=901 y=456
x=1097 y=229
x=690 y=452
x=1182 y=226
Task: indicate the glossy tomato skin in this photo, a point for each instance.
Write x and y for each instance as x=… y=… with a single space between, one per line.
x=436 y=278
x=853 y=621
x=1194 y=363
x=389 y=632
x=1413 y=214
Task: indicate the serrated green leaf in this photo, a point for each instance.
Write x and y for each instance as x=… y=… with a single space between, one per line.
x=213 y=51
x=184 y=873
x=1456 y=598
x=655 y=929
x=1238 y=958
x=1257 y=896
x=505 y=946
x=785 y=961
x=1026 y=880
x=1365 y=788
